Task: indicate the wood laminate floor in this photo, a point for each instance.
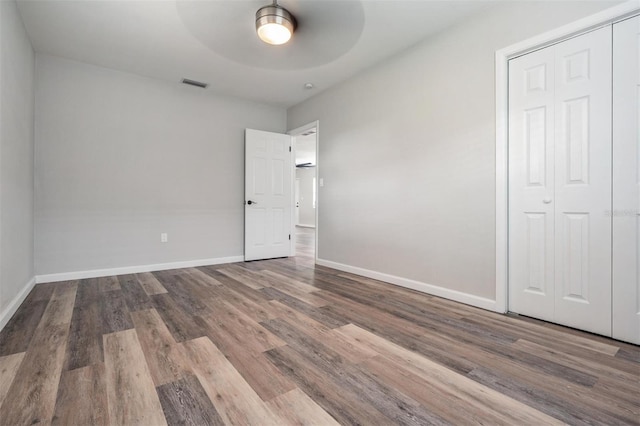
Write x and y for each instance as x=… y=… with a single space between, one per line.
x=281 y=342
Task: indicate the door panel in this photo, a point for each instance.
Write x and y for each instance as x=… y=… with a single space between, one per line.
x=531 y=180
x=268 y=187
x=583 y=196
x=626 y=178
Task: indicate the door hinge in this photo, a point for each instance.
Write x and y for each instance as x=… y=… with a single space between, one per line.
x=289 y=237
x=289 y=149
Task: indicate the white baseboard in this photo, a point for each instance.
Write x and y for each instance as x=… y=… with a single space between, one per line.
x=8 y=312
x=78 y=275
x=435 y=290
x=302 y=225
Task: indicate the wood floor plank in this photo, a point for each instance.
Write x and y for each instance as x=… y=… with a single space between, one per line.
x=585 y=365
x=343 y=404
x=345 y=347
x=263 y=377
x=41 y=292
x=526 y=377
x=9 y=365
x=185 y=402
x=150 y=284
x=165 y=360
x=543 y=400
x=550 y=335
x=397 y=330
x=182 y=326
x=316 y=313
x=248 y=278
x=17 y=334
x=108 y=284
x=88 y=292
x=298 y=409
x=131 y=394
x=305 y=296
x=134 y=294
x=400 y=408
x=229 y=321
x=286 y=282
x=202 y=277
x=233 y=398
x=32 y=398
x=190 y=296
x=82 y=398
x=257 y=311
x=85 y=337
x=237 y=286
x=472 y=392
x=114 y=312
x=629 y=353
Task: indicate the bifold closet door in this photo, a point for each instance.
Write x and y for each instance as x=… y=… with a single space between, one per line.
x=583 y=176
x=560 y=183
x=531 y=184
x=626 y=179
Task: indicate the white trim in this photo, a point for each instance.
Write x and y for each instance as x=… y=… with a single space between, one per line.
x=295 y=132
x=10 y=310
x=95 y=273
x=606 y=17
x=458 y=296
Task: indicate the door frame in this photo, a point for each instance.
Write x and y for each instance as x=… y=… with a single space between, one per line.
x=294 y=133
x=581 y=26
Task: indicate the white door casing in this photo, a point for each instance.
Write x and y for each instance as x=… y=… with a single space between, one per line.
x=626 y=178
x=268 y=198
x=560 y=182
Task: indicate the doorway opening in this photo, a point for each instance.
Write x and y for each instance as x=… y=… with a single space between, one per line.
x=305 y=141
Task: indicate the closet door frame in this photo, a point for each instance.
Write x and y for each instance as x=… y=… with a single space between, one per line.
x=590 y=23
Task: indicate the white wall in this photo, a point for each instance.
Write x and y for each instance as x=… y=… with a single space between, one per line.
x=407 y=153
x=121 y=158
x=16 y=160
x=307 y=210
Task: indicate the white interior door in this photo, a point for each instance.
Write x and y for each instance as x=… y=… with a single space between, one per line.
x=626 y=178
x=560 y=183
x=268 y=201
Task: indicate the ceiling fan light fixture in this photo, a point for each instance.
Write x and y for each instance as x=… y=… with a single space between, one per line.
x=274 y=24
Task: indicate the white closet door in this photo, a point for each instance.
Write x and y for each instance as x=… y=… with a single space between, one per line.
x=560 y=183
x=626 y=178
x=583 y=152
x=531 y=184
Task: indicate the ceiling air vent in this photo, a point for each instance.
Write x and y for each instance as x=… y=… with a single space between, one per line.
x=194 y=83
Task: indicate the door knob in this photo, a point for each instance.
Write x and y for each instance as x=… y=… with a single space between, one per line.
x=251 y=202
x=546 y=200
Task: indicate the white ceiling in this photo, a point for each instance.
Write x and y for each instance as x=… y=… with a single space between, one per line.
x=214 y=41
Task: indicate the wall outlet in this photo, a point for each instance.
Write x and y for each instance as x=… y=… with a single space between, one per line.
x=321 y=182
x=164 y=237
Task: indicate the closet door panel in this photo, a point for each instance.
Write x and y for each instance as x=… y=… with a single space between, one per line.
x=531 y=181
x=626 y=179
x=583 y=195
